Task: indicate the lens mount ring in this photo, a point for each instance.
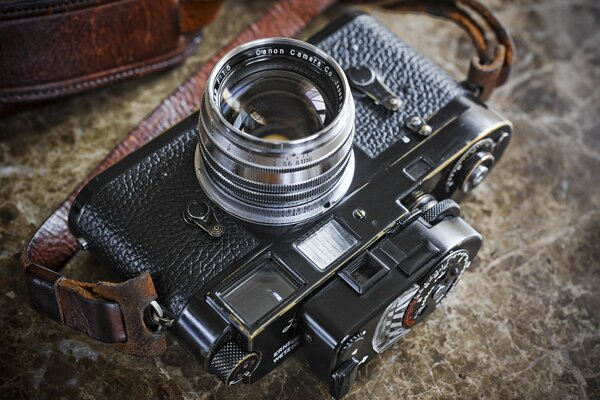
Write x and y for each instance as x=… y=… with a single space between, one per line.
x=275 y=132
x=267 y=214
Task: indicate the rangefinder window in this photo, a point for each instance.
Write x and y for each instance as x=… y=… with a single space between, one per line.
x=259 y=291
x=326 y=244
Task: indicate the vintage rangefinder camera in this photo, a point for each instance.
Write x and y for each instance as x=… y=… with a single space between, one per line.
x=311 y=207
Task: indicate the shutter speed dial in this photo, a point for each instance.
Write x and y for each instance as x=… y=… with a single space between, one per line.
x=436 y=287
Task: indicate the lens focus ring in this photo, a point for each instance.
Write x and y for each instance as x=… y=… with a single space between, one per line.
x=286 y=196
x=258 y=185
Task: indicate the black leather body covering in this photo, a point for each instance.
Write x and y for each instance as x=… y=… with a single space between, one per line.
x=423 y=87
x=131 y=215
x=135 y=224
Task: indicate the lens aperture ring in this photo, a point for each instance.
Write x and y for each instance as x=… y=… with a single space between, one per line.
x=242 y=155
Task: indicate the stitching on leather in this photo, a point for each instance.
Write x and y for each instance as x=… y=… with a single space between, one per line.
x=63 y=4
x=98 y=81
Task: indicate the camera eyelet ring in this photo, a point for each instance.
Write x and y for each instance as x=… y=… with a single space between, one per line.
x=156 y=318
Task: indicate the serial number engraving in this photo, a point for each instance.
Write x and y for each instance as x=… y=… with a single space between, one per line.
x=279 y=50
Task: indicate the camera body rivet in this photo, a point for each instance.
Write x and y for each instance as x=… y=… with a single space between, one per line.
x=359 y=213
x=83 y=244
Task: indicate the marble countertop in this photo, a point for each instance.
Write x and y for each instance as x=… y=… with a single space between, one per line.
x=524 y=322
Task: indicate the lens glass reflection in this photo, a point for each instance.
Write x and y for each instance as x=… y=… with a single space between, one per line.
x=275 y=105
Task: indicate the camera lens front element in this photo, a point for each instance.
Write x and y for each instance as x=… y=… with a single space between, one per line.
x=275 y=132
x=275 y=105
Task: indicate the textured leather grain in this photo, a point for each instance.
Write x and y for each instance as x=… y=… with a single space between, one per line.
x=423 y=87
x=54 y=48
x=134 y=224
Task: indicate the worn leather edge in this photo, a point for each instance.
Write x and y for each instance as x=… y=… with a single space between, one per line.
x=80 y=84
x=491 y=66
x=34 y=8
x=195 y=14
x=186 y=17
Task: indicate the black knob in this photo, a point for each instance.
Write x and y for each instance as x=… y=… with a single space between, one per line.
x=341 y=379
x=360 y=76
x=443 y=209
x=351 y=346
x=198 y=210
x=472 y=167
x=231 y=364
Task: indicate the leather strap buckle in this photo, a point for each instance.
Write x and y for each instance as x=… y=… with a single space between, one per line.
x=487 y=77
x=134 y=297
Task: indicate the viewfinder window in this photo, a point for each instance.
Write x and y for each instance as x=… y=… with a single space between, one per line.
x=259 y=291
x=363 y=274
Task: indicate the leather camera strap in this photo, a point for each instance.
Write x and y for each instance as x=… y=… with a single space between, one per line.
x=491 y=66
x=114 y=312
x=55 y=48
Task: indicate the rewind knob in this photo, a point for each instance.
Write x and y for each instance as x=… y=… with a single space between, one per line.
x=231 y=363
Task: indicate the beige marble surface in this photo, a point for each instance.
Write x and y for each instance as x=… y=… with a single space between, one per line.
x=525 y=323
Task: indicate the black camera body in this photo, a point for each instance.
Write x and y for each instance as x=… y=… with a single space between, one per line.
x=337 y=288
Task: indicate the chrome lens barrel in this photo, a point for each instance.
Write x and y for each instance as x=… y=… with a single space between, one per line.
x=275 y=132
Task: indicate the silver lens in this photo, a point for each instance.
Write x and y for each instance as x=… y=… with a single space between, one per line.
x=275 y=132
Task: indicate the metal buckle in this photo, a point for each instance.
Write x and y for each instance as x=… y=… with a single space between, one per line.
x=157 y=318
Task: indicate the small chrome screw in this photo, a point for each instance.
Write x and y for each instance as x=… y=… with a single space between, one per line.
x=359 y=213
x=425 y=130
x=83 y=244
x=414 y=122
x=395 y=103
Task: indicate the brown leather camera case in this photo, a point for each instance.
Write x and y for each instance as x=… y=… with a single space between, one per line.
x=54 y=48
